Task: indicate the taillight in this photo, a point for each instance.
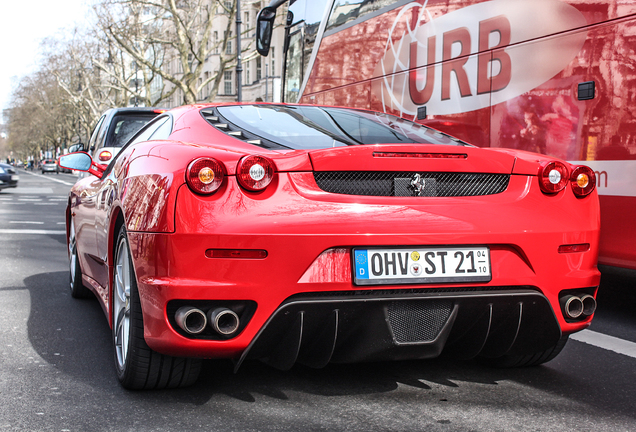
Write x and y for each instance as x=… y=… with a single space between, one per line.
x=205 y=175
x=583 y=180
x=553 y=177
x=255 y=173
x=105 y=155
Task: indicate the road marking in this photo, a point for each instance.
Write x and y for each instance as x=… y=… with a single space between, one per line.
x=27 y=231
x=52 y=179
x=48 y=203
x=27 y=222
x=607 y=342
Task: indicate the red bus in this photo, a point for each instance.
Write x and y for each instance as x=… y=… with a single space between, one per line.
x=556 y=77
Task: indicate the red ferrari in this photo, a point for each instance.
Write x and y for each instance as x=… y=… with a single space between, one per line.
x=311 y=234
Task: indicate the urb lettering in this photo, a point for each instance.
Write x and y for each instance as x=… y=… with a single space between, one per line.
x=461 y=36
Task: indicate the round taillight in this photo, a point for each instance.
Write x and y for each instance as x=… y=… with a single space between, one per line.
x=553 y=177
x=254 y=172
x=105 y=156
x=583 y=180
x=205 y=175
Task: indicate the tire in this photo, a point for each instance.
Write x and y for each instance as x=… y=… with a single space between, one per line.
x=78 y=290
x=528 y=360
x=139 y=367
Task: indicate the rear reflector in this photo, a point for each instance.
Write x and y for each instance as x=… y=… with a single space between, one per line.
x=583 y=247
x=421 y=155
x=236 y=253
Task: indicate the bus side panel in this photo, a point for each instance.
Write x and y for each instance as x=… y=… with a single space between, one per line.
x=618 y=231
x=599 y=132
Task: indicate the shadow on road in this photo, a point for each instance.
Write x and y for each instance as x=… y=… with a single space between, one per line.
x=73 y=335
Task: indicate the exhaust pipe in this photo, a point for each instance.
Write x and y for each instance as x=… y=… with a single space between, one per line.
x=573 y=306
x=589 y=304
x=224 y=321
x=191 y=319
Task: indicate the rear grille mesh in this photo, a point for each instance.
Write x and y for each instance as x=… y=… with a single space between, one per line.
x=403 y=184
x=418 y=321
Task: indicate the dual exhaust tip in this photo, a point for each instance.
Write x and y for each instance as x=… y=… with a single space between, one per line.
x=223 y=321
x=577 y=306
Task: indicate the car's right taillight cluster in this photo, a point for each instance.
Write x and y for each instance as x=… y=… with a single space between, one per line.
x=554 y=177
x=254 y=173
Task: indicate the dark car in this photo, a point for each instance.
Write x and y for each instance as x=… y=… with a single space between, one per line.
x=8 y=176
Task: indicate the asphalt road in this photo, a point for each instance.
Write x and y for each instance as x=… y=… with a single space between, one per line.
x=57 y=373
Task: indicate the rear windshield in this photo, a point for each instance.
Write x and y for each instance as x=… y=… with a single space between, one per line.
x=309 y=127
x=123 y=127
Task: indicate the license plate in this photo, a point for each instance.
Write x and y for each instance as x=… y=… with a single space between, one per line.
x=15 y=177
x=418 y=265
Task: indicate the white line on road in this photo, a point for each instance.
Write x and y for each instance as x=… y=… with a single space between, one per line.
x=27 y=222
x=27 y=231
x=607 y=342
x=52 y=179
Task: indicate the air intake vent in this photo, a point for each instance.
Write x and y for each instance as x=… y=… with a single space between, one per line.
x=404 y=184
x=418 y=321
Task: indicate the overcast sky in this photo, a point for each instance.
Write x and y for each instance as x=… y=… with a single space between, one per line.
x=24 y=24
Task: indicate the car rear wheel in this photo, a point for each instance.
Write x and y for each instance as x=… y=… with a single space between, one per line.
x=78 y=290
x=534 y=359
x=139 y=367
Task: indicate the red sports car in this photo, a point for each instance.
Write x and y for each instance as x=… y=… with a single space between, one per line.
x=312 y=234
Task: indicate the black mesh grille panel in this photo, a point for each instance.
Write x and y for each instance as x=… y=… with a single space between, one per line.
x=418 y=321
x=402 y=184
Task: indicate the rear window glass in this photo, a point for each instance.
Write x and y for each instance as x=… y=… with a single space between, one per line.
x=123 y=127
x=310 y=127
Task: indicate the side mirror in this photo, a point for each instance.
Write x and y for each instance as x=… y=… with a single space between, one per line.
x=76 y=148
x=81 y=161
x=264 y=27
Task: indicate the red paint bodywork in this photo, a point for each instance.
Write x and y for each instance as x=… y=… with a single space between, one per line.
x=308 y=233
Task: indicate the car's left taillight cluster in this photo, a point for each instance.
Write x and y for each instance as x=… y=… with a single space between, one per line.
x=254 y=173
x=555 y=176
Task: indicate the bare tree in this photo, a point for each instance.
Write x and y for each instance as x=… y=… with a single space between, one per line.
x=170 y=41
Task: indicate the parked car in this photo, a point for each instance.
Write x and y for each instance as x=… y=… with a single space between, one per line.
x=8 y=176
x=115 y=127
x=49 y=165
x=311 y=234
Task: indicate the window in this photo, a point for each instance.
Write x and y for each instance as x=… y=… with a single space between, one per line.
x=228 y=47
x=227 y=82
x=273 y=62
x=158 y=125
x=343 y=12
x=247 y=74
x=258 y=68
x=307 y=127
x=216 y=42
x=247 y=19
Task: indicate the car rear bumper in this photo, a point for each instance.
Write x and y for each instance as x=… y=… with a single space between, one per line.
x=299 y=294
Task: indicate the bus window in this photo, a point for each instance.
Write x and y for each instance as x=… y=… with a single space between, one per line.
x=293 y=67
x=305 y=17
x=346 y=11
